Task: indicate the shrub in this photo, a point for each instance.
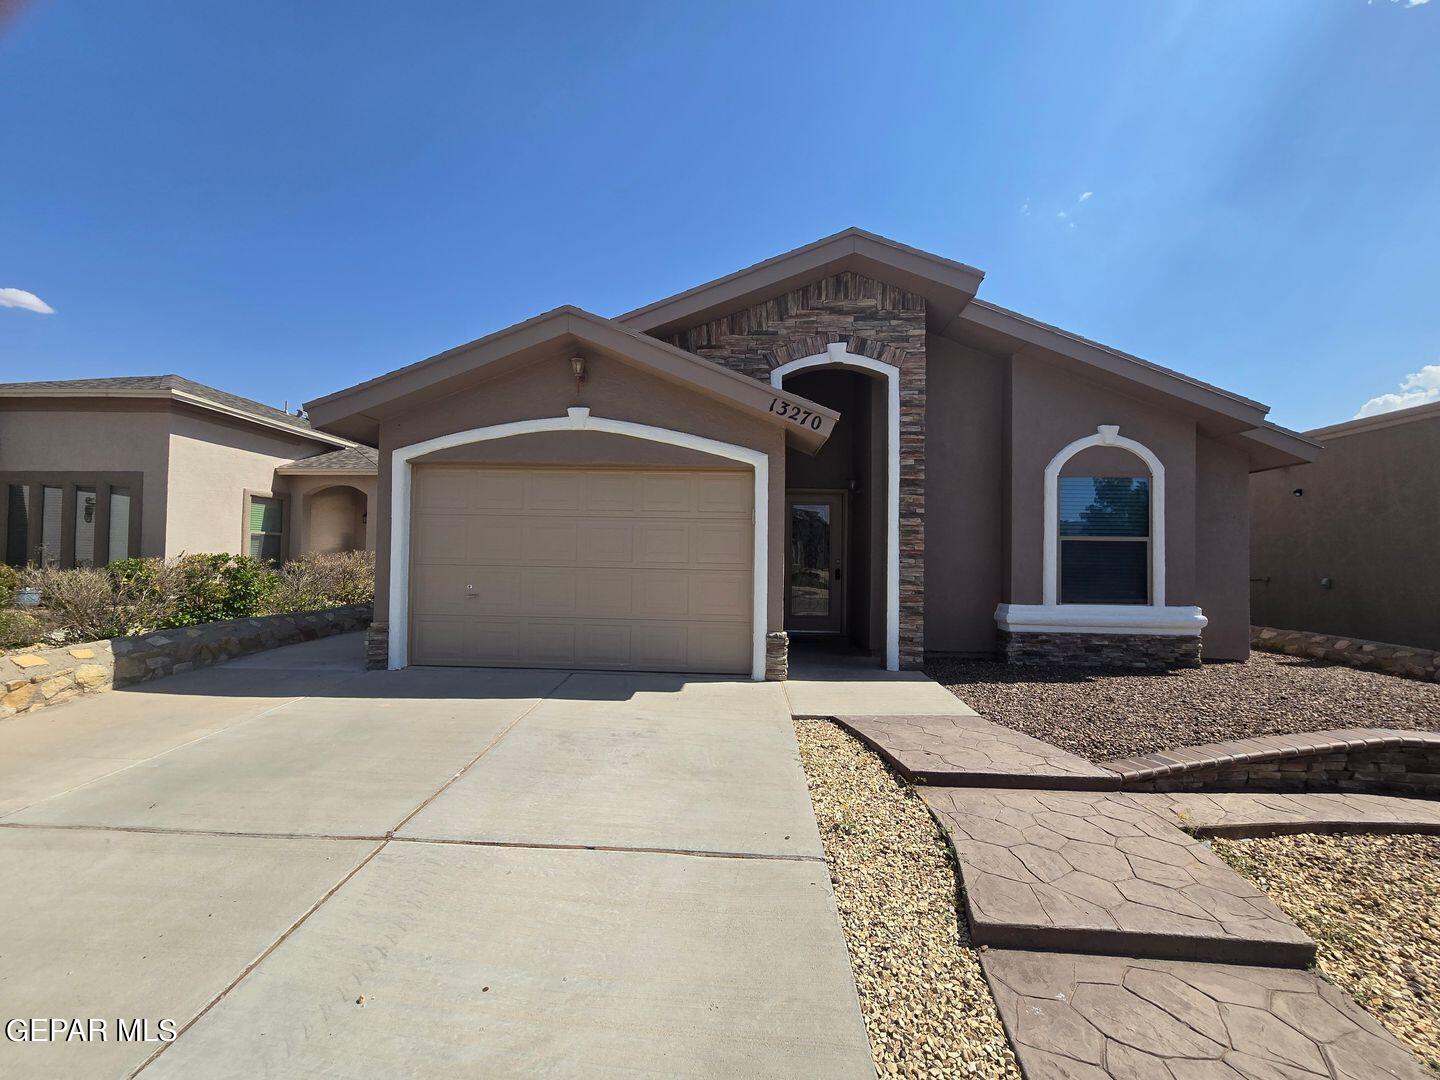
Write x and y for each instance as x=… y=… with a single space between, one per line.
x=18 y=628
x=9 y=582
x=136 y=596
x=313 y=582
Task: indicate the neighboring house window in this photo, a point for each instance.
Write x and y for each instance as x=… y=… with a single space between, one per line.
x=84 y=526
x=119 y=523
x=1104 y=540
x=17 y=525
x=267 y=522
x=51 y=517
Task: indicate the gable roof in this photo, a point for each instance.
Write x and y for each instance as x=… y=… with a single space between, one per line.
x=358 y=409
x=176 y=388
x=350 y=461
x=953 y=311
x=946 y=285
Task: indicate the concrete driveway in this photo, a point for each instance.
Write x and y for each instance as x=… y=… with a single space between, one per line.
x=312 y=870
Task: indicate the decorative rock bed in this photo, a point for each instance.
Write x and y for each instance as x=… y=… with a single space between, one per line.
x=38 y=678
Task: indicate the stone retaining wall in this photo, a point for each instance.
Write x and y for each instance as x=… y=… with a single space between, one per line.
x=1372 y=655
x=40 y=677
x=1140 y=651
x=1359 y=759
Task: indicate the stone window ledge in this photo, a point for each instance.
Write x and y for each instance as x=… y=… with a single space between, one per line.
x=1100 y=619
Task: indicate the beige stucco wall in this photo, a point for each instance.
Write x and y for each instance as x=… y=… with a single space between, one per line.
x=326 y=509
x=1369 y=520
x=213 y=462
x=1222 y=548
x=100 y=436
x=615 y=390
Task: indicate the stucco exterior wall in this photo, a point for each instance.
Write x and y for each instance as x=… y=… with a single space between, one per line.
x=1222 y=548
x=99 y=436
x=1369 y=520
x=1050 y=409
x=615 y=390
x=213 y=462
x=964 y=498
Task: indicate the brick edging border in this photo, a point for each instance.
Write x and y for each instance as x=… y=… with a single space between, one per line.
x=38 y=678
x=1403 y=660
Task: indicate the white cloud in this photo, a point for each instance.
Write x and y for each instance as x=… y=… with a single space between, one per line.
x=1025 y=208
x=28 y=301
x=1063 y=214
x=1418 y=388
x=1086 y=196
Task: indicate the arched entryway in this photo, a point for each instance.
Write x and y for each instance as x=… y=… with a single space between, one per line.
x=336 y=519
x=842 y=553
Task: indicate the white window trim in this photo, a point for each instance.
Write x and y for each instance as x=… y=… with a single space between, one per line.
x=1051 y=616
x=577 y=419
x=836 y=355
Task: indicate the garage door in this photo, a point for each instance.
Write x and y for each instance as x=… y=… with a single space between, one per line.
x=621 y=569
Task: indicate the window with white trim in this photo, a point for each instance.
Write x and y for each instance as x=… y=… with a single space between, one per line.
x=1104 y=527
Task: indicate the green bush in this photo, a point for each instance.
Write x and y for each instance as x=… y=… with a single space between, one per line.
x=18 y=628
x=9 y=582
x=137 y=596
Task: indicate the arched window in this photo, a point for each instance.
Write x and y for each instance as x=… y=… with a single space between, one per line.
x=1105 y=535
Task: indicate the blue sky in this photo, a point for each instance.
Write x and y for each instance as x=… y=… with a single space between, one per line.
x=286 y=198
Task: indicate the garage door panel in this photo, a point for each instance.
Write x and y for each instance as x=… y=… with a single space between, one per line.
x=605 y=568
x=723 y=493
x=440 y=537
x=662 y=543
x=551 y=591
x=606 y=542
x=495 y=540
x=549 y=541
x=719 y=596
x=721 y=544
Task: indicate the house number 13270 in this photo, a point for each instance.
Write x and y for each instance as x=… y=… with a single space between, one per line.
x=791 y=411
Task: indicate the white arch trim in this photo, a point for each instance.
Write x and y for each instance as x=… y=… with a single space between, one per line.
x=577 y=419
x=837 y=355
x=1052 y=616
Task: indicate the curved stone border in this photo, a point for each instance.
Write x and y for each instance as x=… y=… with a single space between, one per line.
x=42 y=677
x=1380 y=656
x=1239 y=815
x=1353 y=759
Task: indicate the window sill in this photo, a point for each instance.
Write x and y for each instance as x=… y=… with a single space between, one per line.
x=1100 y=619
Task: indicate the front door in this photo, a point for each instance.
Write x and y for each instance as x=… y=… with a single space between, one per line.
x=815 y=562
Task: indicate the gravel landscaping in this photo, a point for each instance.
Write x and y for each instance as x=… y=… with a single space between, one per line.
x=1108 y=714
x=926 y=1005
x=1372 y=904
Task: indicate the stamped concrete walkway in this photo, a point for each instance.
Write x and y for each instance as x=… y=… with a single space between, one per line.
x=1097 y=872
x=1098 y=1017
x=1241 y=814
x=319 y=871
x=1200 y=982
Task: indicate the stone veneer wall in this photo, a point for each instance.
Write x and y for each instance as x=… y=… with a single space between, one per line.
x=777 y=656
x=1139 y=651
x=1372 y=655
x=874 y=320
x=41 y=677
x=1360 y=759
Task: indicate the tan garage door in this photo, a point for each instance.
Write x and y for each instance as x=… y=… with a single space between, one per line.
x=621 y=569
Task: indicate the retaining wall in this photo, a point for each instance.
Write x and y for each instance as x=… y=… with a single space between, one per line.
x=1401 y=660
x=37 y=678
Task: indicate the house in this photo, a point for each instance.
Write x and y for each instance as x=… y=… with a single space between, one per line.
x=1347 y=545
x=842 y=441
x=95 y=470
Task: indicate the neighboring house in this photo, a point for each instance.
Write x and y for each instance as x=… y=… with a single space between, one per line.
x=1350 y=545
x=840 y=441
x=94 y=470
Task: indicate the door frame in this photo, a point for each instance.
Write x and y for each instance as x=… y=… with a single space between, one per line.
x=840 y=552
